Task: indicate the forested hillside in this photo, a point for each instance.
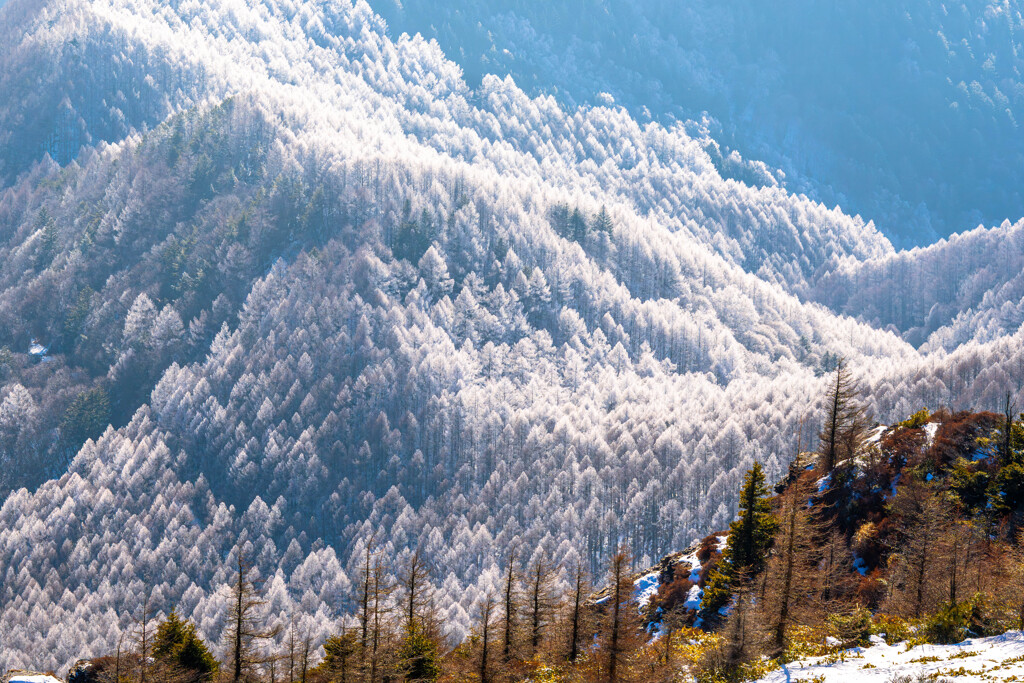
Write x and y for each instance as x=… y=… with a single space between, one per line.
x=906 y=114
x=274 y=284
x=898 y=539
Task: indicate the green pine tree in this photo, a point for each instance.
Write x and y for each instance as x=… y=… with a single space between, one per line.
x=170 y=636
x=420 y=657
x=603 y=222
x=86 y=418
x=340 y=661
x=179 y=646
x=746 y=549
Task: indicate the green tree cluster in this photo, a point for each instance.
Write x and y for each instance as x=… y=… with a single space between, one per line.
x=746 y=549
x=179 y=646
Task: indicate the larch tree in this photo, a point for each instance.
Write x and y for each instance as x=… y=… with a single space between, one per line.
x=922 y=516
x=576 y=613
x=339 y=654
x=418 y=653
x=365 y=591
x=487 y=609
x=791 y=581
x=416 y=591
x=621 y=632
x=845 y=420
x=245 y=631
x=381 y=590
x=510 y=607
x=541 y=599
x=144 y=636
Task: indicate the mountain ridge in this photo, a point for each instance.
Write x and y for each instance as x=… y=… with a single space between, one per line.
x=336 y=295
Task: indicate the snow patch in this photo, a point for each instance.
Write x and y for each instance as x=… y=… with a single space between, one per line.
x=972 y=661
x=32 y=678
x=646 y=587
x=875 y=435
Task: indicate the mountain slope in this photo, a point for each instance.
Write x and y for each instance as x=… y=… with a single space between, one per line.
x=907 y=115
x=337 y=295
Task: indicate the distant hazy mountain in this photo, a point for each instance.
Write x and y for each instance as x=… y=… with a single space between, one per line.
x=905 y=113
x=322 y=290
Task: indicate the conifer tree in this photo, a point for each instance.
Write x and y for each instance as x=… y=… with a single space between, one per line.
x=511 y=606
x=579 y=592
x=603 y=222
x=364 y=601
x=577 y=226
x=245 y=631
x=487 y=608
x=144 y=637
x=622 y=621
x=742 y=636
x=419 y=652
x=845 y=420
x=790 y=583
x=177 y=646
x=1010 y=435
x=381 y=589
x=834 y=579
x=416 y=591
x=923 y=517
x=749 y=539
x=339 y=654
x=541 y=600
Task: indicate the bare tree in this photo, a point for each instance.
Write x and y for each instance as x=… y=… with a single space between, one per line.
x=790 y=581
x=416 y=588
x=580 y=588
x=1006 y=437
x=487 y=608
x=622 y=627
x=143 y=636
x=511 y=607
x=307 y=643
x=245 y=632
x=381 y=589
x=293 y=649
x=364 y=602
x=541 y=600
x=117 y=659
x=845 y=420
x=923 y=517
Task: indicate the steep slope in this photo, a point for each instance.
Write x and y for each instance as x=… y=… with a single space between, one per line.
x=969 y=287
x=408 y=318
x=905 y=114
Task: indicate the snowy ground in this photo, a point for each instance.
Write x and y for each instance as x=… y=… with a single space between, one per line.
x=1000 y=658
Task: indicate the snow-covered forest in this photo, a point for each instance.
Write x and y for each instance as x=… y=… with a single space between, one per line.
x=291 y=283
x=905 y=112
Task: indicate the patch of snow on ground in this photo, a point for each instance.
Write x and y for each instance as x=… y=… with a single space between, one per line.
x=999 y=658
x=875 y=435
x=33 y=678
x=646 y=587
x=693 y=598
x=929 y=430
